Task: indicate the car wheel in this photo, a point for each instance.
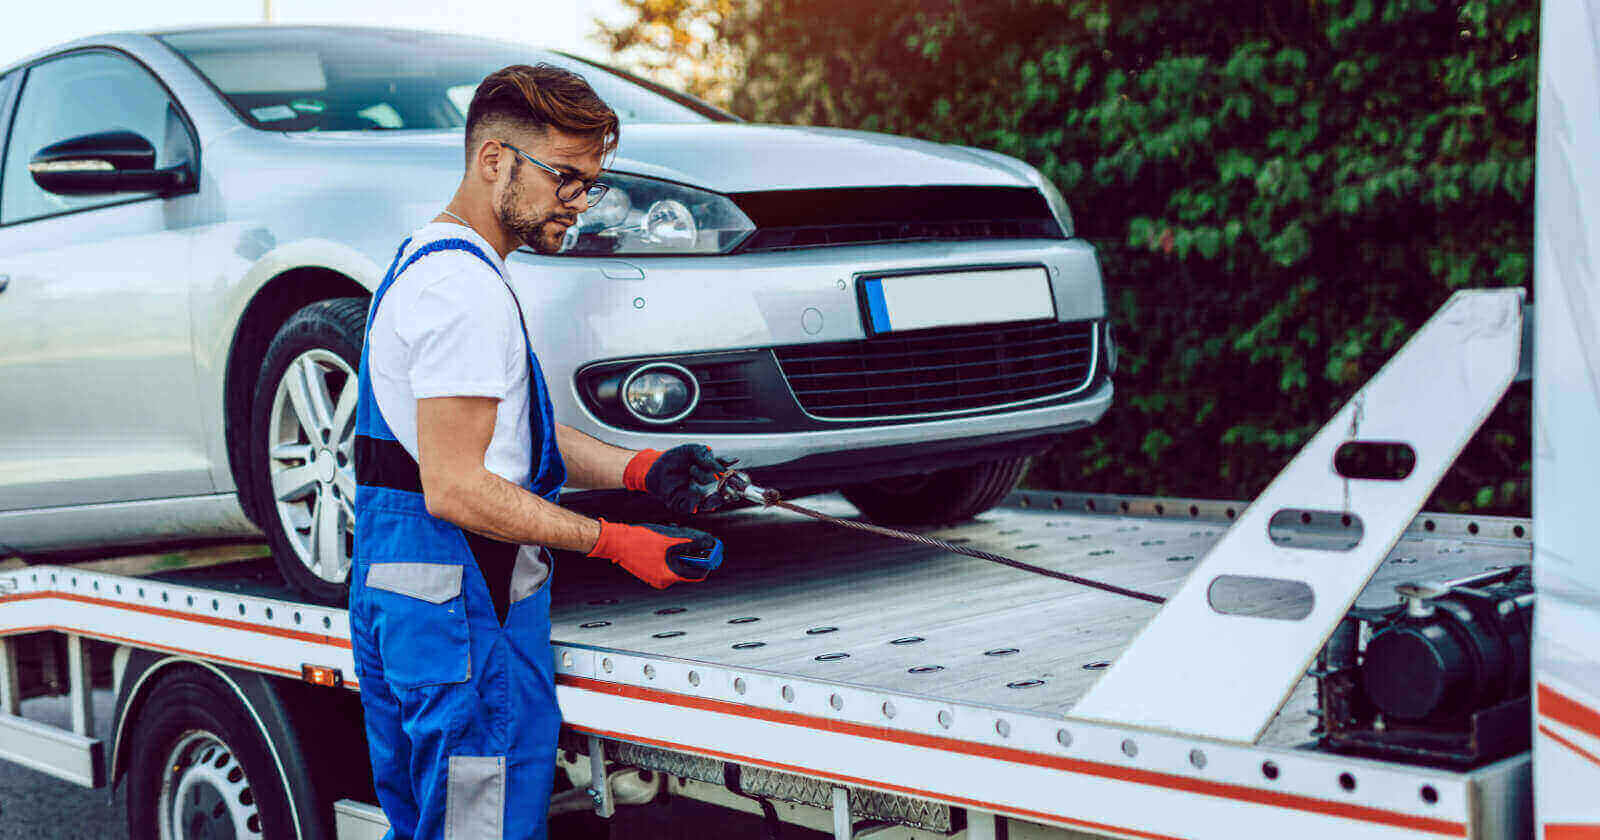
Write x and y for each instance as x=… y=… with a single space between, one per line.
x=945 y=496
x=302 y=445
x=198 y=766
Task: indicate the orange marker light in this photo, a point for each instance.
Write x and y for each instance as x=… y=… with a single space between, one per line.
x=321 y=675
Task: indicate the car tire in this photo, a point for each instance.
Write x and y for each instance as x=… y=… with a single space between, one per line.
x=196 y=761
x=303 y=468
x=939 y=497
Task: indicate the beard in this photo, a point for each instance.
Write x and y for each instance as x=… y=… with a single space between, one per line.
x=541 y=232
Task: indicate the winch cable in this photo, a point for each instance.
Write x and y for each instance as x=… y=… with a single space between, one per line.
x=770 y=498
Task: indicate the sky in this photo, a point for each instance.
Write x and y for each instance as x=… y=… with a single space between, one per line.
x=560 y=24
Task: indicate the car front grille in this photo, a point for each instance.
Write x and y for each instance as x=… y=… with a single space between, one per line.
x=939 y=371
x=727 y=392
x=817 y=218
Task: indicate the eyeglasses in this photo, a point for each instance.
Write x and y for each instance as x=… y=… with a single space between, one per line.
x=568 y=186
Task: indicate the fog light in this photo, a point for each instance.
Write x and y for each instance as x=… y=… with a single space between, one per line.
x=660 y=393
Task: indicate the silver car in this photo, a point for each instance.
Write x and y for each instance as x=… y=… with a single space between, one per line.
x=191 y=224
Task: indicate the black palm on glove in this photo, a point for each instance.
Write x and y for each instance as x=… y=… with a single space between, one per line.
x=684 y=479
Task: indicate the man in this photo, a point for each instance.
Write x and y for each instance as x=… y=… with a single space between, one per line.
x=459 y=465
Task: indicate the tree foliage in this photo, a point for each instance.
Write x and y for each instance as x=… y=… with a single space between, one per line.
x=1280 y=192
x=676 y=42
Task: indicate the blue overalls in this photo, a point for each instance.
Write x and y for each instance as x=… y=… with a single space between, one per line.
x=461 y=712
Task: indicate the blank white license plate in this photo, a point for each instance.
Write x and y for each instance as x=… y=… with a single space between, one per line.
x=953 y=298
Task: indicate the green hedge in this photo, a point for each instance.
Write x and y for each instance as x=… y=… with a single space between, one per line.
x=1280 y=192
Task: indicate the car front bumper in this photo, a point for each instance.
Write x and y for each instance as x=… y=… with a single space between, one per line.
x=583 y=312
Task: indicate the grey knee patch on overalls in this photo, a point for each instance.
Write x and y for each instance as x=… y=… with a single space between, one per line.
x=475 y=798
x=432 y=582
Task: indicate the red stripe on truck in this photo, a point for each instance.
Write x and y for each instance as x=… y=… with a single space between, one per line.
x=1072 y=765
x=1563 y=709
x=217 y=621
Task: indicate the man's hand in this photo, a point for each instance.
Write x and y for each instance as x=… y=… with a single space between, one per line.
x=683 y=478
x=648 y=551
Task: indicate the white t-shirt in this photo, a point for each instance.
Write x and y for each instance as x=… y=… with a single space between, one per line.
x=449 y=328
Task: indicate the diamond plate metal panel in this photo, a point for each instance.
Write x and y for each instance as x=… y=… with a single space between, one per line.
x=788 y=787
x=667 y=761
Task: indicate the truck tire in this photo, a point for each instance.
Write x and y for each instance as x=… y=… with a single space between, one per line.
x=939 y=497
x=198 y=766
x=303 y=468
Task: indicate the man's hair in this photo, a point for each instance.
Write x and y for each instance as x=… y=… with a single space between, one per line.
x=540 y=97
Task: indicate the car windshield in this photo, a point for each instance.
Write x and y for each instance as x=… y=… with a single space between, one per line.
x=325 y=79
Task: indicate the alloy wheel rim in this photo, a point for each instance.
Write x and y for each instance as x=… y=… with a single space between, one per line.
x=205 y=794
x=311 y=461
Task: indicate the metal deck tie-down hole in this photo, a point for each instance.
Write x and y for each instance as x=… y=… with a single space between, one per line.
x=1025 y=684
x=907 y=640
x=667 y=634
x=925 y=669
x=748 y=619
x=817 y=631
x=671 y=610
x=748 y=645
x=1099 y=665
x=832 y=657
x=1006 y=651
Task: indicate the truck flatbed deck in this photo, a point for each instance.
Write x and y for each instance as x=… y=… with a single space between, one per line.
x=803 y=598
x=902 y=674
x=807 y=599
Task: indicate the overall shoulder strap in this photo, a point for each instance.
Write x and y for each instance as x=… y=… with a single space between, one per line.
x=383 y=287
x=450 y=244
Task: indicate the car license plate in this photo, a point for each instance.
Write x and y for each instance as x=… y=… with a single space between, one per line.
x=902 y=302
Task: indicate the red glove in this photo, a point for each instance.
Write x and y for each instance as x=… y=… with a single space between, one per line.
x=684 y=478
x=642 y=549
x=639 y=467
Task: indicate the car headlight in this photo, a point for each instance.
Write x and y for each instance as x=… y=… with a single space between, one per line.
x=1058 y=205
x=641 y=216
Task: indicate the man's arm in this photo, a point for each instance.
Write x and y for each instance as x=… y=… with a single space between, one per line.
x=452 y=435
x=591 y=464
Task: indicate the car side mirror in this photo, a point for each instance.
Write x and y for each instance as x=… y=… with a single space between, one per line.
x=108 y=162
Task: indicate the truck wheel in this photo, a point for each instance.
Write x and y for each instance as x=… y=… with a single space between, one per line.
x=302 y=445
x=939 y=497
x=199 y=768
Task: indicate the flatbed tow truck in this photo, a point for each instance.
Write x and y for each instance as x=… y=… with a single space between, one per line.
x=1329 y=661
x=931 y=690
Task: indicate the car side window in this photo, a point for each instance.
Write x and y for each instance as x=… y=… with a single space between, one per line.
x=75 y=95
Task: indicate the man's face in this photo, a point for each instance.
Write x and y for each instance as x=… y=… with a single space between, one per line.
x=525 y=199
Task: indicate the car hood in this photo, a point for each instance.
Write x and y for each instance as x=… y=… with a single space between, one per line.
x=743 y=157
